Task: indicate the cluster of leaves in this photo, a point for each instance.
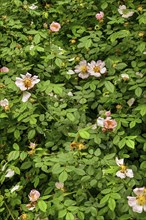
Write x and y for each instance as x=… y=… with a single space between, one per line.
x=53 y=119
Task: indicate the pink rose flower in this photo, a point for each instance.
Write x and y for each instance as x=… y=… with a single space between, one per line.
x=99 y=16
x=55 y=26
x=109 y=123
x=4 y=69
x=34 y=195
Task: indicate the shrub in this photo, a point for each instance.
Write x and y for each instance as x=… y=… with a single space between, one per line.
x=72 y=107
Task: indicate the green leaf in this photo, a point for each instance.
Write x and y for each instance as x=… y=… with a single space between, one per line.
x=57 y=169
x=13 y=155
x=104 y=5
x=79 y=171
x=84 y=134
x=16 y=146
x=141 y=46
x=58 y=62
x=130 y=143
x=104 y=199
x=143 y=165
x=62 y=213
x=120 y=66
x=111 y=204
x=23 y=155
x=70 y=216
x=119 y=34
x=31 y=134
x=37 y=38
x=109 y=156
x=32 y=120
x=88 y=43
x=42 y=205
x=138 y=92
x=109 y=86
x=63 y=176
x=115 y=196
x=70 y=116
x=3 y=115
x=26 y=165
x=106 y=191
x=17 y=134
x=122 y=143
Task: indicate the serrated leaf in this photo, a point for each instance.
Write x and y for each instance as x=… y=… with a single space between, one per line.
x=143 y=165
x=31 y=134
x=13 y=155
x=70 y=116
x=104 y=199
x=130 y=143
x=37 y=38
x=63 y=176
x=111 y=204
x=138 y=91
x=79 y=171
x=120 y=66
x=58 y=62
x=84 y=134
x=62 y=213
x=69 y=216
x=42 y=205
x=109 y=86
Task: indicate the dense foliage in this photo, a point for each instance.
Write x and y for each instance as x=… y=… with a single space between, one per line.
x=65 y=128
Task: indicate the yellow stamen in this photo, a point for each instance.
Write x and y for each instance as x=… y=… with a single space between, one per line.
x=141 y=199
x=84 y=69
x=96 y=69
x=123 y=168
x=27 y=82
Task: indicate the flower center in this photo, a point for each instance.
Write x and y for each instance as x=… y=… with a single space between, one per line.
x=55 y=26
x=84 y=69
x=125 y=11
x=27 y=82
x=96 y=69
x=123 y=168
x=141 y=199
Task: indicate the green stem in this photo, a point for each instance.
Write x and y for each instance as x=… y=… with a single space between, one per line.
x=9 y=211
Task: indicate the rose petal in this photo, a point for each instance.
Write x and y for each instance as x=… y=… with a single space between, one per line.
x=26 y=96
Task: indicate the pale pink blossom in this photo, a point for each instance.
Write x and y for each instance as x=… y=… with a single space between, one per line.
x=70 y=72
x=9 y=173
x=107 y=113
x=33 y=7
x=138 y=203
x=59 y=185
x=100 y=122
x=125 y=76
x=32 y=145
x=55 y=26
x=96 y=68
x=109 y=123
x=4 y=69
x=34 y=195
x=124 y=171
x=126 y=13
x=26 y=82
x=82 y=69
x=99 y=16
x=4 y=103
x=16 y=187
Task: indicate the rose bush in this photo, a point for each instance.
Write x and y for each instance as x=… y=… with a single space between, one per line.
x=64 y=144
